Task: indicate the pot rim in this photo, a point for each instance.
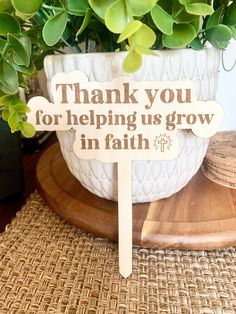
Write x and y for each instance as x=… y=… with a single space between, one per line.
x=165 y=52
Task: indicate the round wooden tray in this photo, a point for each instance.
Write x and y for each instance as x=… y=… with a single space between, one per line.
x=201 y=216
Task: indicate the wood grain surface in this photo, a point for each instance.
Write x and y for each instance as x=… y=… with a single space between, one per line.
x=200 y=216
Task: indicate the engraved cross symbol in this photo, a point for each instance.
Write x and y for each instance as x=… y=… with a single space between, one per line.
x=162 y=143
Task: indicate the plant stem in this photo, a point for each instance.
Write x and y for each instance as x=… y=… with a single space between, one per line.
x=61 y=52
x=4 y=53
x=122 y=46
x=99 y=40
x=178 y=13
x=45 y=13
x=86 y=44
x=53 y=8
x=77 y=48
x=68 y=45
x=111 y=41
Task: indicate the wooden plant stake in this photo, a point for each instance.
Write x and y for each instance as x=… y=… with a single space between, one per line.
x=125 y=217
x=121 y=121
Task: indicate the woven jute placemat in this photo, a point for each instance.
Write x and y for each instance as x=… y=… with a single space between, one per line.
x=49 y=266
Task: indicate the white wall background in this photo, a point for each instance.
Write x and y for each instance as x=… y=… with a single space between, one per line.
x=226 y=94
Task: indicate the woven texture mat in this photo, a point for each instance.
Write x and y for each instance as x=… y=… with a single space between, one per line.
x=49 y=266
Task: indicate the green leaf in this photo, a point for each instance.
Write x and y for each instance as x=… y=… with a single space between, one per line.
x=21 y=108
x=219 y=36
x=8 y=24
x=67 y=32
x=163 y=21
x=132 y=62
x=27 y=129
x=196 y=44
x=215 y=18
x=76 y=7
x=3 y=44
x=54 y=28
x=183 y=35
x=23 y=69
x=5 y=114
x=196 y=24
x=5 y=100
x=116 y=23
x=230 y=15
x=141 y=7
x=199 y=9
x=233 y=31
x=21 y=56
x=23 y=82
x=17 y=128
x=180 y=15
x=26 y=43
x=101 y=7
x=5 y=5
x=8 y=78
x=27 y=7
x=13 y=121
x=130 y=29
x=144 y=37
x=85 y=23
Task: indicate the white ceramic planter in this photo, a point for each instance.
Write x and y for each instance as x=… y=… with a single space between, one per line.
x=152 y=180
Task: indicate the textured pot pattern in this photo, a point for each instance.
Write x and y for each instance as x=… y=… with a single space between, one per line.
x=152 y=180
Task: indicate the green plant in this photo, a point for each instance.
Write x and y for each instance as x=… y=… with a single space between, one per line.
x=30 y=30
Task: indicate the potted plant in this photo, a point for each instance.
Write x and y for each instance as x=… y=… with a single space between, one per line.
x=145 y=39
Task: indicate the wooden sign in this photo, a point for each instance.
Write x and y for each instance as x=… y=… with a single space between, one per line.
x=121 y=121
